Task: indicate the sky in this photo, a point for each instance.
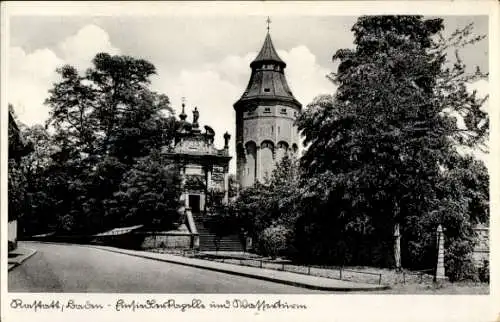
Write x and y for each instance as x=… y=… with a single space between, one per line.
x=204 y=58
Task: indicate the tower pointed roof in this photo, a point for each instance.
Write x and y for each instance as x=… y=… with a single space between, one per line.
x=268 y=54
x=267 y=81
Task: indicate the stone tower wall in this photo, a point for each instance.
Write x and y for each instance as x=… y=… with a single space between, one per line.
x=265 y=135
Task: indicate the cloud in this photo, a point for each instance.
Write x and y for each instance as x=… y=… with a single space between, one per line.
x=306 y=77
x=31 y=75
x=79 y=49
x=482 y=87
x=214 y=87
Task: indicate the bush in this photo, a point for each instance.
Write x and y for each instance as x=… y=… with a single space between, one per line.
x=459 y=263
x=274 y=241
x=484 y=272
x=461 y=270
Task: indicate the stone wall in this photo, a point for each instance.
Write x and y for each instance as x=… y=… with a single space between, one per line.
x=167 y=240
x=482 y=249
x=275 y=125
x=12 y=233
x=265 y=133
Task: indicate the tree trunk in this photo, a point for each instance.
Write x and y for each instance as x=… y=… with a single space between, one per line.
x=397 y=247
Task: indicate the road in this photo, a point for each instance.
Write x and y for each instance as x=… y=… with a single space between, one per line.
x=74 y=268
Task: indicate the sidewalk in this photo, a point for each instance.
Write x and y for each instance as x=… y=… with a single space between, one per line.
x=19 y=255
x=301 y=280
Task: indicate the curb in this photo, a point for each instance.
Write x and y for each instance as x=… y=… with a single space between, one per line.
x=261 y=277
x=14 y=263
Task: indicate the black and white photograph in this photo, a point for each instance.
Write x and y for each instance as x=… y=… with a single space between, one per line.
x=263 y=154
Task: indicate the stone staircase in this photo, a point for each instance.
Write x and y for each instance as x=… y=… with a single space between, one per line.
x=230 y=243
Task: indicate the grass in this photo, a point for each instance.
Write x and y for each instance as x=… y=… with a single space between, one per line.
x=464 y=288
x=409 y=282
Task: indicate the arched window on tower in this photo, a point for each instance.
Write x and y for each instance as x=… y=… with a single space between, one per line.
x=251 y=157
x=281 y=150
x=266 y=159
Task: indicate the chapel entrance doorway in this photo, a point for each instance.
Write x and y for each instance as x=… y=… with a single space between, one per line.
x=194 y=203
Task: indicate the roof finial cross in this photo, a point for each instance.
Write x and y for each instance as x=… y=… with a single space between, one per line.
x=183 y=99
x=268 y=20
x=183 y=115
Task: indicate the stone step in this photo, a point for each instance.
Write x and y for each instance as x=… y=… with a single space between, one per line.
x=227 y=243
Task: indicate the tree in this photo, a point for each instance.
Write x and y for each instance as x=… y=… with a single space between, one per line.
x=380 y=149
x=105 y=120
x=111 y=110
x=18 y=147
x=269 y=205
x=38 y=209
x=149 y=194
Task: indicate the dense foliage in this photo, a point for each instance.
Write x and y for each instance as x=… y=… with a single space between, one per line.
x=102 y=154
x=385 y=154
x=383 y=150
x=268 y=207
x=274 y=241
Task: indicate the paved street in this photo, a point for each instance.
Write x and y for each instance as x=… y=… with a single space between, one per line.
x=73 y=268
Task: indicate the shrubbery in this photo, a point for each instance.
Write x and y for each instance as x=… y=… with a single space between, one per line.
x=484 y=272
x=382 y=154
x=274 y=241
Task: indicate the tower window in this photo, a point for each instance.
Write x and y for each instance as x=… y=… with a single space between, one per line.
x=267 y=110
x=267 y=90
x=283 y=111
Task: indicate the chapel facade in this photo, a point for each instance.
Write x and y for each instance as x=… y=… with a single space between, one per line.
x=265 y=118
x=204 y=168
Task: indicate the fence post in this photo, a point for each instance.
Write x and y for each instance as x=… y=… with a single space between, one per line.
x=261 y=263
x=440 y=272
x=283 y=266
x=379 y=279
x=308 y=270
x=341 y=273
x=404 y=277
